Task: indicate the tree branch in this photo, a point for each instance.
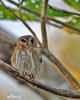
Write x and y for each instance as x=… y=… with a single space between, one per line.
x=63 y=11
x=61 y=68
x=27 y=26
x=53 y=8
x=52 y=24
x=27 y=9
x=19 y=76
x=64 y=24
x=76 y=30
x=20 y=10
x=43 y=23
x=62 y=27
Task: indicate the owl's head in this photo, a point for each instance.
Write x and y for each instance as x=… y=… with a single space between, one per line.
x=27 y=40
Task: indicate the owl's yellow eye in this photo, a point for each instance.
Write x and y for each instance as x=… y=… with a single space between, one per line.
x=23 y=40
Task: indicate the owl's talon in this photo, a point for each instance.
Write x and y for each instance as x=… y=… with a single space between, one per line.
x=31 y=77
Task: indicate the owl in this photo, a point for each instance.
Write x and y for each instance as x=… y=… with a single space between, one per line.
x=27 y=56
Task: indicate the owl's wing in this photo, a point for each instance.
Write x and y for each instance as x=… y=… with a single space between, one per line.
x=37 y=59
x=37 y=52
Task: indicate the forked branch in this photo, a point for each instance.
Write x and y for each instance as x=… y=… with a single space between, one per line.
x=76 y=30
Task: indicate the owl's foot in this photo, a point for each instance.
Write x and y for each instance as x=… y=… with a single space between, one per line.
x=31 y=76
x=23 y=73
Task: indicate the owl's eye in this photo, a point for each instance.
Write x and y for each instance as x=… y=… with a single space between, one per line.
x=23 y=40
x=32 y=41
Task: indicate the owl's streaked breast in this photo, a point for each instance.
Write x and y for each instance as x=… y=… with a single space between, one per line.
x=26 y=62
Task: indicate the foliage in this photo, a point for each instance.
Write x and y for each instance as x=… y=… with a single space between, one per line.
x=35 y=5
x=74 y=4
x=5 y=14
x=75 y=21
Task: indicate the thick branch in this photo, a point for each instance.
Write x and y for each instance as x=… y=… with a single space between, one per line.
x=76 y=30
x=43 y=23
x=61 y=68
x=27 y=26
x=63 y=11
x=15 y=73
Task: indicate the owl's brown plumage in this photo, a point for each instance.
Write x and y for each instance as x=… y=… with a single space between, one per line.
x=27 y=56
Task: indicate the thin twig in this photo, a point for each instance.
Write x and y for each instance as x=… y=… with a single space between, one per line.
x=20 y=12
x=43 y=24
x=61 y=68
x=52 y=24
x=77 y=31
x=48 y=18
x=22 y=22
x=61 y=27
x=37 y=14
x=63 y=11
x=19 y=76
x=56 y=9
x=27 y=9
x=64 y=24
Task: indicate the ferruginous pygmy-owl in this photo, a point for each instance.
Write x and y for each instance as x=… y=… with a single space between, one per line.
x=27 y=56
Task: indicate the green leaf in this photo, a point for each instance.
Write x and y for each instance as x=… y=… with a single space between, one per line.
x=74 y=4
x=5 y=14
x=52 y=13
x=75 y=22
x=36 y=5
